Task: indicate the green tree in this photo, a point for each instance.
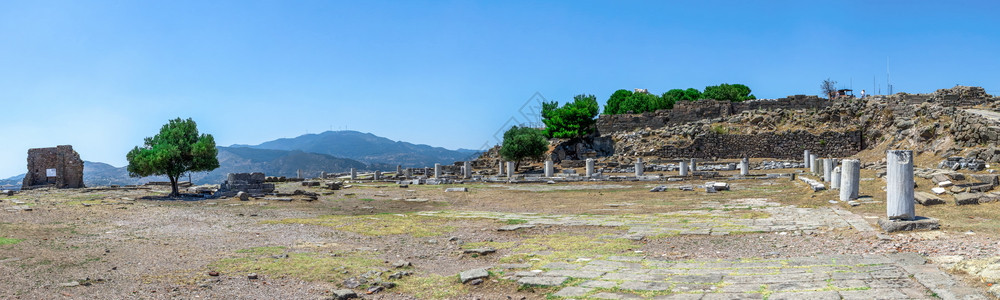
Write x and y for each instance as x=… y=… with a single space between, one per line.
x=674 y=95
x=641 y=102
x=523 y=142
x=613 y=107
x=178 y=148
x=574 y=119
x=691 y=94
x=728 y=92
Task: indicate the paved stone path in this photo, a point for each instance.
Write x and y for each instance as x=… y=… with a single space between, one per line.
x=715 y=218
x=894 y=276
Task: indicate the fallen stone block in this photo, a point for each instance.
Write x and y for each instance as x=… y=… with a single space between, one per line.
x=514 y=227
x=918 y=223
x=480 y=251
x=661 y=188
x=945 y=183
x=344 y=294
x=459 y=189
x=966 y=198
x=938 y=190
x=926 y=199
x=473 y=274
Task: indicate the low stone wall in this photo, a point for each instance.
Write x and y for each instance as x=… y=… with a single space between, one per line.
x=783 y=145
x=684 y=112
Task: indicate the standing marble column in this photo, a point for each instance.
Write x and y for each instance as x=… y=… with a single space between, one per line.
x=500 y=170
x=409 y=172
x=437 y=170
x=684 y=168
x=298 y=174
x=694 y=166
x=510 y=169
x=850 y=177
x=835 y=181
x=639 y=168
x=354 y=174
x=590 y=167
x=899 y=185
x=745 y=167
x=548 y=168
x=814 y=163
x=805 y=159
x=467 y=170
x=399 y=170
x=377 y=176
x=828 y=170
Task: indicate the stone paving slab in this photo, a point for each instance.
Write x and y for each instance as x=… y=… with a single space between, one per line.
x=893 y=276
x=719 y=220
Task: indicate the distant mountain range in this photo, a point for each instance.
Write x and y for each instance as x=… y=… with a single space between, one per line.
x=370 y=149
x=331 y=151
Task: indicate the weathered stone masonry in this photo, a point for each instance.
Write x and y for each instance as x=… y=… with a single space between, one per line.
x=59 y=166
x=786 y=145
x=684 y=112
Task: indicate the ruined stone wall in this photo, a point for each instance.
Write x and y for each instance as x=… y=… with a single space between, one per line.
x=784 y=145
x=684 y=112
x=250 y=183
x=59 y=166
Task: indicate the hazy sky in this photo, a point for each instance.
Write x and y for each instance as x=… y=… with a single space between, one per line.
x=101 y=75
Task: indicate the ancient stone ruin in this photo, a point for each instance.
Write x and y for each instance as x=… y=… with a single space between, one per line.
x=250 y=183
x=58 y=167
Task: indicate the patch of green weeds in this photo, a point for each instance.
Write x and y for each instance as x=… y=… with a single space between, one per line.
x=9 y=241
x=515 y=221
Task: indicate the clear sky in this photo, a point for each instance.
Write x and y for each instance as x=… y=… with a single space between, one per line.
x=101 y=75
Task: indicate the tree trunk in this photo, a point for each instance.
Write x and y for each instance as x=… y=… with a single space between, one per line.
x=173 y=186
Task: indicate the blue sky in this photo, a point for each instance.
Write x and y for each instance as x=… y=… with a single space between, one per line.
x=101 y=75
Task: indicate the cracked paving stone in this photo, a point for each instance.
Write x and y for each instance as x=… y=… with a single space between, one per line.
x=573 y=291
x=644 y=286
x=703 y=279
x=732 y=296
x=542 y=281
x=819 y=295
x=574 y=274
x=880 y=294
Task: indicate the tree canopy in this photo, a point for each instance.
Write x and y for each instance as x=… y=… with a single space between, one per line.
x=574 y=119
x=728 y=92
x=613 y=106
x=523 y=142
x=178 y=148
x=676 y=95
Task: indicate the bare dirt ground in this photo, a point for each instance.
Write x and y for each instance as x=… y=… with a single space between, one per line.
x=113 y=244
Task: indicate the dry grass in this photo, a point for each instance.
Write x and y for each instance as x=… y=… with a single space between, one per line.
x=310 y=266
x=378 y=225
